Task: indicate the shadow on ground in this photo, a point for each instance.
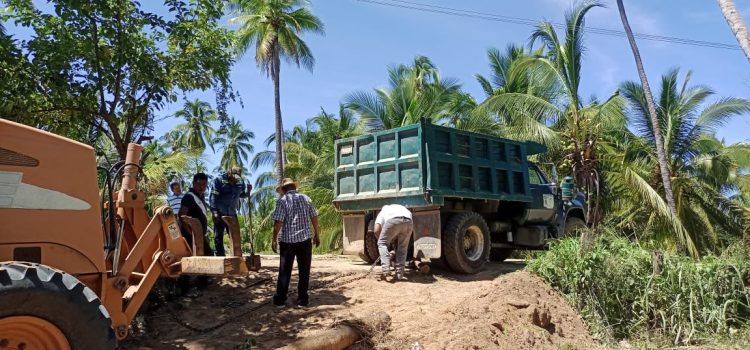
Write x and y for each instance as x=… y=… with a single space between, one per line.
x=230 y=301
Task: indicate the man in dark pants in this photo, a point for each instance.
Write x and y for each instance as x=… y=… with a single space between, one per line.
x=227 y=190
x=292 y=236
x=194 y=205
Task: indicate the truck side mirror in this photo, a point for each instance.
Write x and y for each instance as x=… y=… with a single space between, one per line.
x=554 y=177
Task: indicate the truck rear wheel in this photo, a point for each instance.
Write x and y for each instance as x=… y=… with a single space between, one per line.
x=466 y=242
x=44 y=308
x=367 y=252
x=371 y=247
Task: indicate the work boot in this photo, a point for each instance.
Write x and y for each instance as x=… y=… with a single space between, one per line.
x=384 y=276
x=400 y=276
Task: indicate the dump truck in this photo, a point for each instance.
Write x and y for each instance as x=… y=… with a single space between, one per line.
x=75 y=267
x=473 y=197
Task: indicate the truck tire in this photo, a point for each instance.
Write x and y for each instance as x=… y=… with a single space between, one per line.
x=49 y=309
x=466 y=242
x=500 y=254
x=371 y=247
x=365 y=253
x=573 y=227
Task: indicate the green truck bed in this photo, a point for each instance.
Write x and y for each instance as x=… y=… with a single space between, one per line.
x=420 y=165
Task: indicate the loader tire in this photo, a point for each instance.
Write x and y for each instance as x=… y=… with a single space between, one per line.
x=466 y=242
x=46 y=308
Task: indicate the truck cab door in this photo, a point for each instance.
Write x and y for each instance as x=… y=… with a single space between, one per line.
x=542 y=209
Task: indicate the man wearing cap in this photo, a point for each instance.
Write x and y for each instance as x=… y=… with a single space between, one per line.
x=226 y=192
x=293 y=238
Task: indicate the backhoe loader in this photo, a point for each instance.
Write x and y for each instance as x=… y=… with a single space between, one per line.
x=76 y=266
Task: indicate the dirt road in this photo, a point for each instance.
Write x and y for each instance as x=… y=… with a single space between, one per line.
x=499 y=308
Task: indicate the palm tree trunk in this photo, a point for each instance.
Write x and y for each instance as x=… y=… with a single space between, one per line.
x=736 y=24
x=277 y=105
x=660 y=152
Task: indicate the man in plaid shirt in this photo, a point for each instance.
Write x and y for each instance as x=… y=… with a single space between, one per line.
x=293 y=217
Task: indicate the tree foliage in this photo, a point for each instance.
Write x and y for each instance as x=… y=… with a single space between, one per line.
x=106 y=67
x=274 y=28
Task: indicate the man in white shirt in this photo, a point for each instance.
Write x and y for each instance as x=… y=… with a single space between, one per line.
x=393 y=223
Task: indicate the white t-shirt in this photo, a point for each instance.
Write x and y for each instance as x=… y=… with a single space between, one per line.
x=392 y=211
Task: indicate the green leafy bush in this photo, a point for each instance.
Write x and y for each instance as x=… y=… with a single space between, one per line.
x=620 y=296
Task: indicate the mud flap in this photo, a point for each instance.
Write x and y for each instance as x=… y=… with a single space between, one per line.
x=354 y=234
x=427 y=234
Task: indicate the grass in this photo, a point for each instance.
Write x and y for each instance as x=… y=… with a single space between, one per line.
x=614 y=287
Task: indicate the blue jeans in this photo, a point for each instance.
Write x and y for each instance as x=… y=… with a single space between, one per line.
x=219 y=228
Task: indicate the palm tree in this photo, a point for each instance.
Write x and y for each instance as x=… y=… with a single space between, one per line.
x=658 y=138
x=197 y=132
x=415 y=91
x=736 y=24
x=274 y=28
x=579 y=125
x=310 y=153
x=703 y=169
x=513 y=79
x=237 y=145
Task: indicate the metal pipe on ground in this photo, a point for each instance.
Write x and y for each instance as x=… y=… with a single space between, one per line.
x=344 y=335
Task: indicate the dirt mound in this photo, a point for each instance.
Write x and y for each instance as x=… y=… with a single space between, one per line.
x=516 y=311
x=498 y=308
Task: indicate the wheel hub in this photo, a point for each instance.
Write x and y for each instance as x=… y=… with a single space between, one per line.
x=29 y=332
x=473 y=243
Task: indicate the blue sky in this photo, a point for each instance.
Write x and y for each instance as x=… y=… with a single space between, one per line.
x=363 y=39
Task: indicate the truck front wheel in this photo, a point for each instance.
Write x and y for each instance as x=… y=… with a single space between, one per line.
x=573 y=227
x=466 y=242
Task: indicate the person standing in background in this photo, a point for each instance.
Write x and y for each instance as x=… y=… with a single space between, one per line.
x=226 y=192
x=175 y=199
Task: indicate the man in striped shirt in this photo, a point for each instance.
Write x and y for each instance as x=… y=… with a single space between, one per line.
x=175 y=199
x=293 y=217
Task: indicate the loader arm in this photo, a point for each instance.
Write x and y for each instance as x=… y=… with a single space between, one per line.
x=149 y=249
